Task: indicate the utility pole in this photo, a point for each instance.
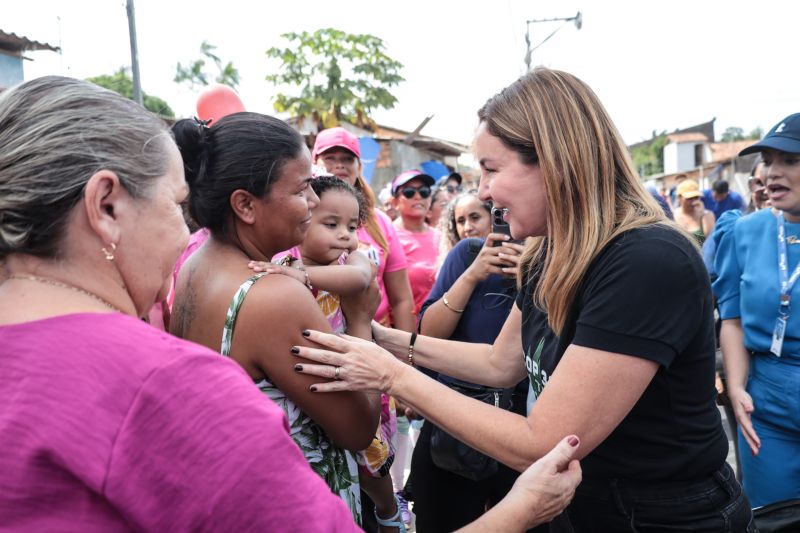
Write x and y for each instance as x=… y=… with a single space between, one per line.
x=137 y=81
x=578 y=19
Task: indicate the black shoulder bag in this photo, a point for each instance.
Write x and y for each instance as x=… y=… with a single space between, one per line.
x=449 y=453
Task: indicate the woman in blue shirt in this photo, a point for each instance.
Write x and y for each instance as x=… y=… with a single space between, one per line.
x=758 y=261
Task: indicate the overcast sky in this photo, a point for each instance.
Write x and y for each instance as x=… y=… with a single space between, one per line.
x=655 y=65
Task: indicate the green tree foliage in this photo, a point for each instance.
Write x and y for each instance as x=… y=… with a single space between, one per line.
x=755 y=133
x=737 y=134
x=649 y=158
x=122 y=83
x=196 y=74
x=342 y=76
x=732 y=134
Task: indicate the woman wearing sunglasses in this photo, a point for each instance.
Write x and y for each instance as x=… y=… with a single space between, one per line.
x=411 y=191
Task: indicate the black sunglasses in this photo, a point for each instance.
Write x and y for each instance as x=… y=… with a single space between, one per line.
x=409 y=192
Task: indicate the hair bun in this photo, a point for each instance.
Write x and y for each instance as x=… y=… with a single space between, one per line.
x=193 y=137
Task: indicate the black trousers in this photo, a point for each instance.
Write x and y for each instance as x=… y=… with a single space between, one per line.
x=713 y=504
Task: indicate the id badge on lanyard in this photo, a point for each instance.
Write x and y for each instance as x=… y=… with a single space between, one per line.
x=786 y=284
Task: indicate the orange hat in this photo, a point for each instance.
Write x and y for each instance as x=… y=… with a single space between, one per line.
x=688 y=189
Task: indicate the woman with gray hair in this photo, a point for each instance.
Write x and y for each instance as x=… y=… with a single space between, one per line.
x=99 y=424
x=105 y=422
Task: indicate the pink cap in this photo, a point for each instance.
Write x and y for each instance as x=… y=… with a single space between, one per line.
x=333 y=137
x=408 y=175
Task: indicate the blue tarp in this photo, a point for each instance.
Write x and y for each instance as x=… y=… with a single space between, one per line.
x=369 y=156
x=434 y=169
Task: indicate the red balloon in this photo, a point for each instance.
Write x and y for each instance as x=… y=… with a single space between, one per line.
x=216 y=101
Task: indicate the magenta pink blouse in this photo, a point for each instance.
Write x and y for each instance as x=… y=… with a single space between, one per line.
x=108 y=424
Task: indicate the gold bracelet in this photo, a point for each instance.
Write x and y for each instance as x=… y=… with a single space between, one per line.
x=411 y=348
x=308 y=280
x=447 y=305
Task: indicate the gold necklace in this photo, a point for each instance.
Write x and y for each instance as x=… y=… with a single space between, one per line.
x=63 y=285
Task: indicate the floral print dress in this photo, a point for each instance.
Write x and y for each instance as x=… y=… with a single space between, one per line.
x=336 y=466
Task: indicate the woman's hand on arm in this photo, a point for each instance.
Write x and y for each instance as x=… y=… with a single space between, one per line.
x=269 y=324
x=737 y=366
x=540 y=494
x=366 y=366
x=401 y=299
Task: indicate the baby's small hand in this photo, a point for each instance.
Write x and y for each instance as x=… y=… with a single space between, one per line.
x=259 y=266
x=272 y=268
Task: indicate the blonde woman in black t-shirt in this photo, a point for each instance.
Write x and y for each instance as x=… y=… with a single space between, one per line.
x=613 y=325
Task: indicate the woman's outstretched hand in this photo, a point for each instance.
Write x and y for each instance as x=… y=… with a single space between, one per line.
x=549 y=484
x=742 y=404
x=540 y=493
x=362 y=365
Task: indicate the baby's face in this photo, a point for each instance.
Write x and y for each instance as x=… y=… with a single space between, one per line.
x=333 y=228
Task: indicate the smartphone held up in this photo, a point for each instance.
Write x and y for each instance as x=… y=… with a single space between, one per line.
x=499 y=225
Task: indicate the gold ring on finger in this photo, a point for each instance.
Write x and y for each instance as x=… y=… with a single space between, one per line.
x=336 y=373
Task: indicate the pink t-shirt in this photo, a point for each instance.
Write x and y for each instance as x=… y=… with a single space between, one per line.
x=392 y=262
x=108 y=424
x=422 y=251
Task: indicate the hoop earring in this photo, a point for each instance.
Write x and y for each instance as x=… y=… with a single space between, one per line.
x=109 y=253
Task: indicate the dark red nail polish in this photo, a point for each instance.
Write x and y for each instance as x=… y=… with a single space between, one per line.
x=573 y=441
x=298 y=368
x=295 y=350
x=306 y=333
x=313 y=388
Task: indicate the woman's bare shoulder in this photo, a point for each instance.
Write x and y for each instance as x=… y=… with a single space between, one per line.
x=279 y=305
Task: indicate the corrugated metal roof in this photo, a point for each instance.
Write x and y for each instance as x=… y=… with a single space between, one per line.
x=11 y=42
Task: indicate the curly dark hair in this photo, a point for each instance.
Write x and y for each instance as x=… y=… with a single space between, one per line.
x=324 y=183
x=448 y=223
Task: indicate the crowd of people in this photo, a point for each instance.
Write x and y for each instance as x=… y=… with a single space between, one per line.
x=538 y=349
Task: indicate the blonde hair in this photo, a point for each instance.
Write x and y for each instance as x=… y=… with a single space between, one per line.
x=553 y=119
x=371 y=222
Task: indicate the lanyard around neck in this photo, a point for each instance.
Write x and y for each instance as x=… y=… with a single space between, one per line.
x=786 y=281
